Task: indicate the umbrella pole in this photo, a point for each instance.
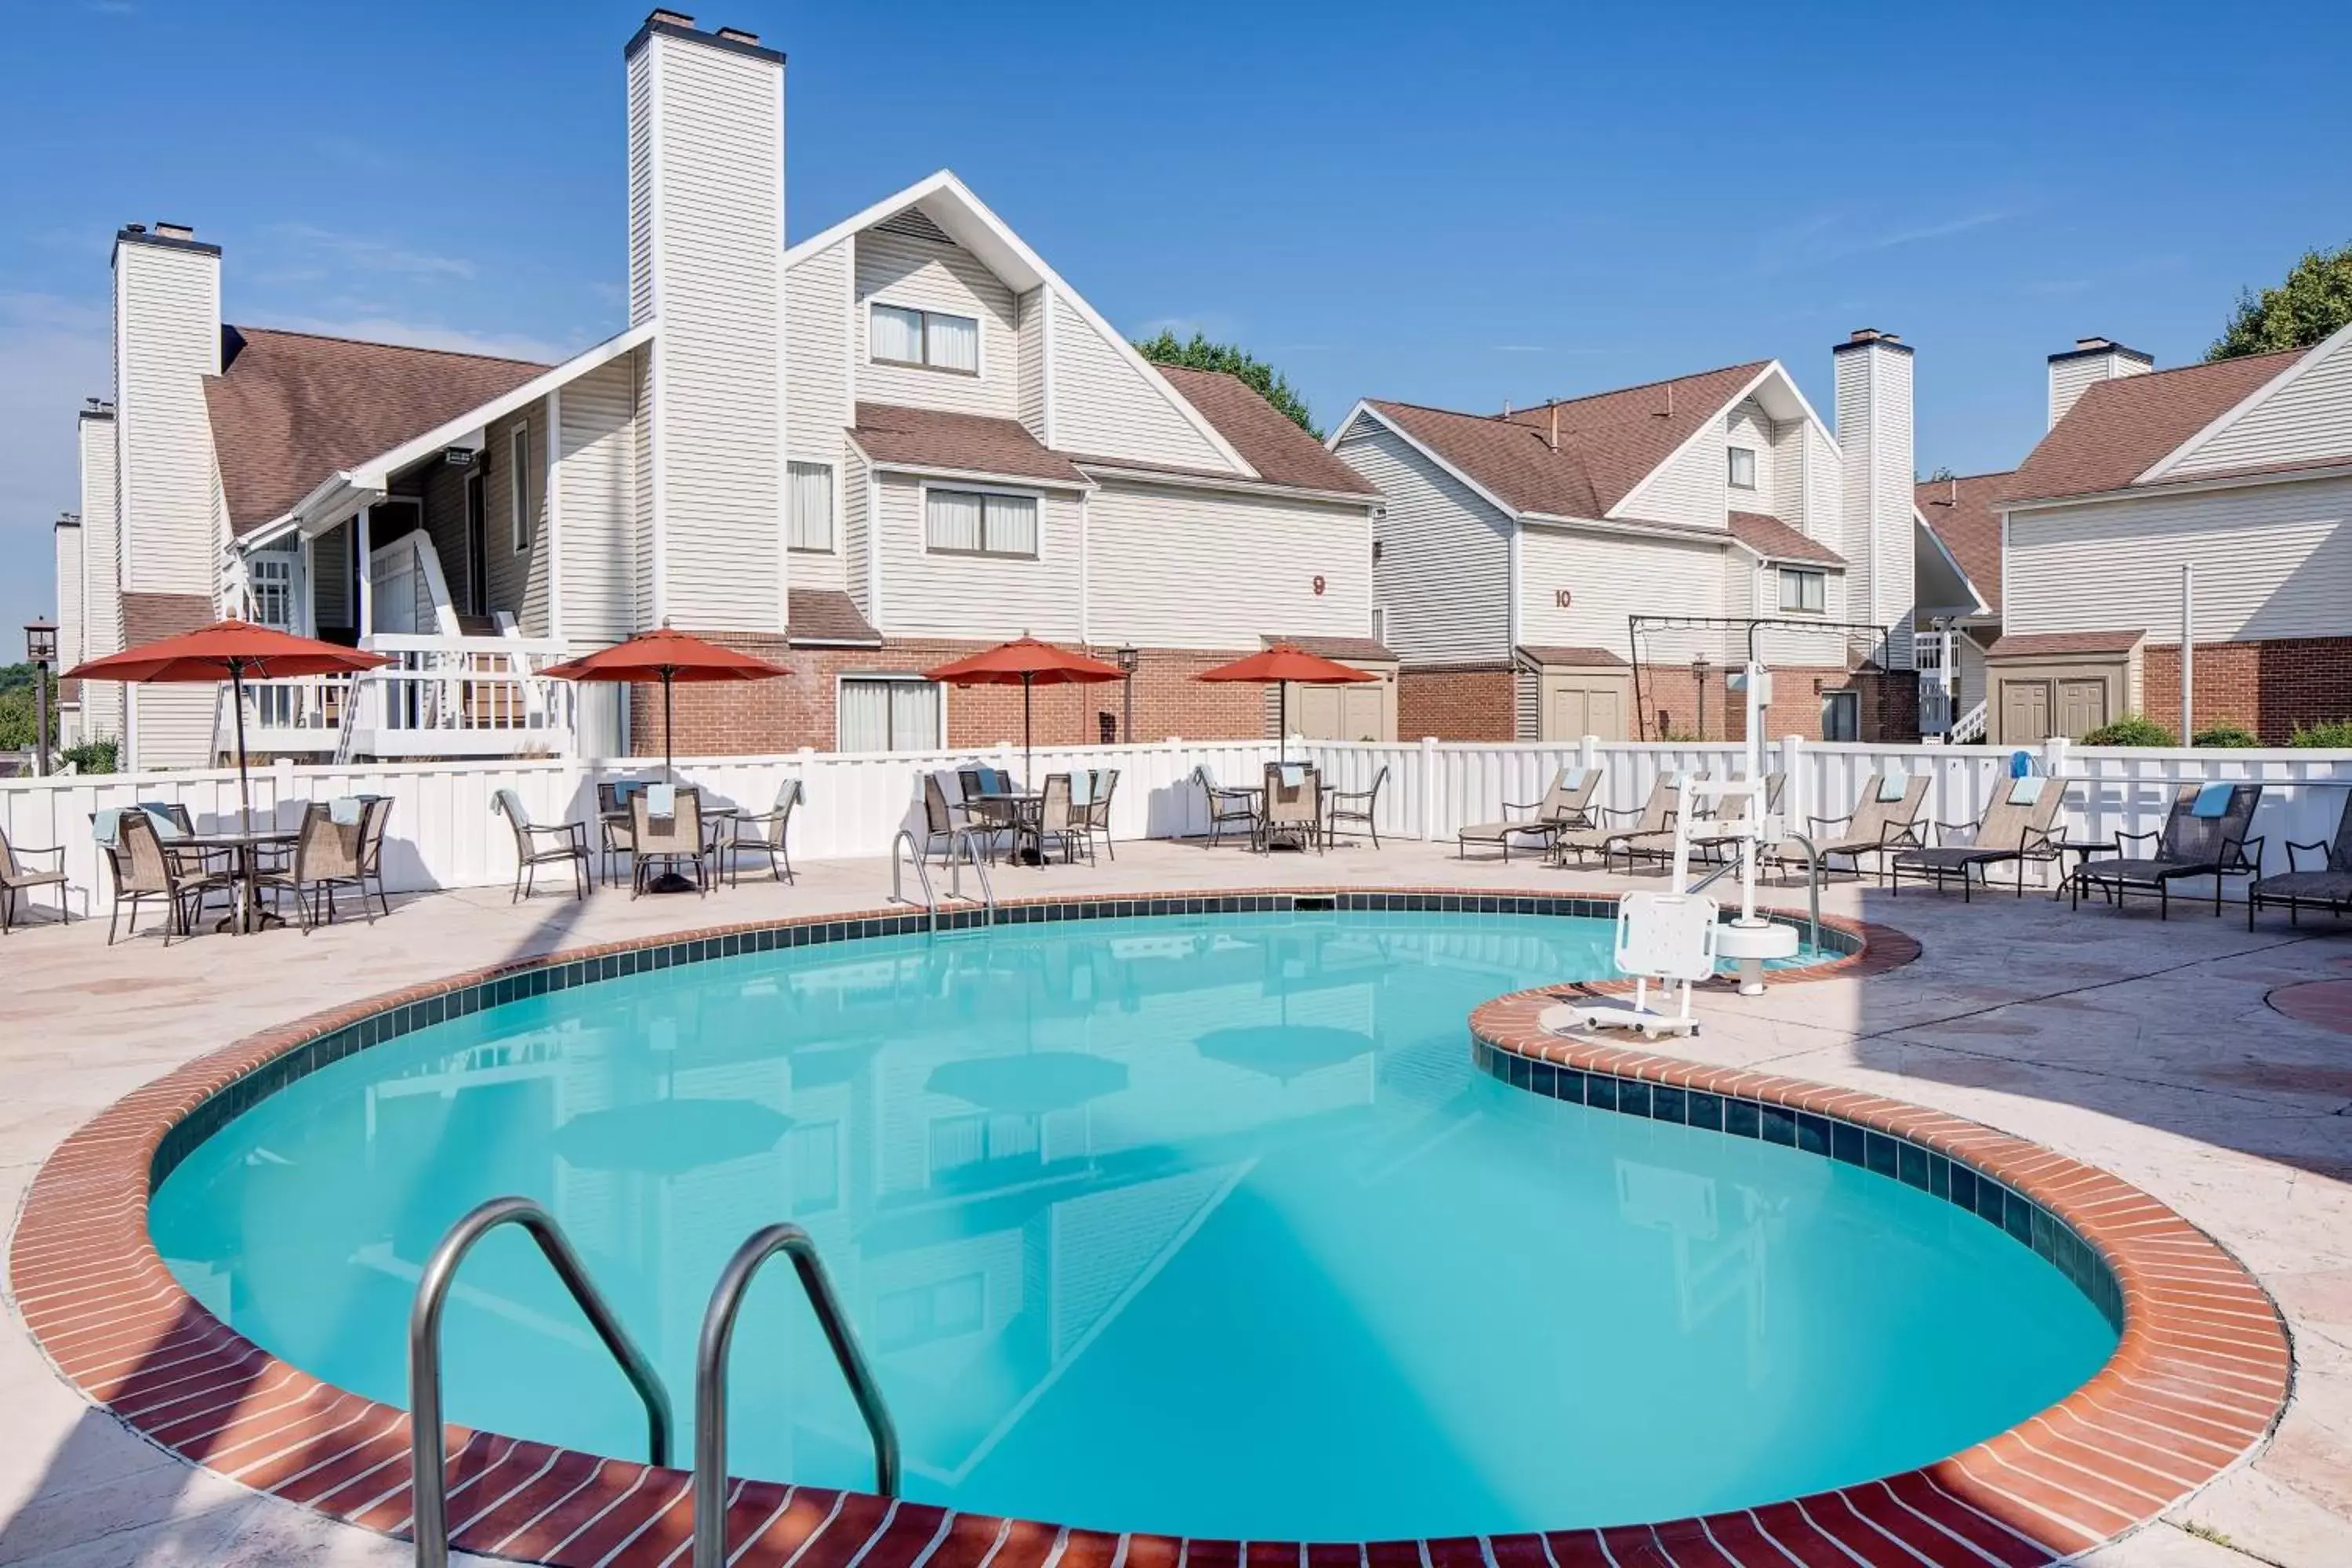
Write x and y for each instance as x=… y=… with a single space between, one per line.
x=669 y=767
x=1282 y=719
x=243 y=784
x=1028 y=762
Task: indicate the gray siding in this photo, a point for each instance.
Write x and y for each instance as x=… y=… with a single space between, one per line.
x=1255 y=559
x=1874 y=427
x=976 y=597
x=66 y=548
x=642 y=480
x=517 y=578
x=168 y=338
x=857 y=555
x=2308 y=420
x=894 y=270
x=1610 y=577
x=1444 y=569
x=1104 y=406
x=598 y=541
x=330 y=577
x=1035 y=311
x=1747 y=426
x=819 y=383
x=1687 y=487
x=102 y=701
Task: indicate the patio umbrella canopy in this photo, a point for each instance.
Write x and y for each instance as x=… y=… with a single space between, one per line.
x=1279 y=666
x=1027 y=662
x=667 y=656
x=228 y=651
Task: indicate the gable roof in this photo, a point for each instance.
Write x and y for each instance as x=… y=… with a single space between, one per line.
x=288 y=409
x=1609 y=443
x=1776 y=540
x=968 y=443
x=1962 y=513
x=2117 y=430
x=1281 y=452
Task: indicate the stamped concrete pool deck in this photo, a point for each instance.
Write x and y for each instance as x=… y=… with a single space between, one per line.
x=2156 y=1050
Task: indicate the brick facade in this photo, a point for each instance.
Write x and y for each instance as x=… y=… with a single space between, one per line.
x=1670 y=699
x=1457 y=702
x=2266 y=687
x=753 y=718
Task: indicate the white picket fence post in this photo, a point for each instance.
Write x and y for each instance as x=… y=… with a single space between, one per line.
x=1429 y=788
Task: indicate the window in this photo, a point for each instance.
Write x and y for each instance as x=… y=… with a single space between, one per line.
x=903 y=335
x=1743 y=467
x=809 y=498
x=1803 y=593
x=976 y=522
x=518 y=485
x=885 y=714
x=1381 y=624
x=270 y=575
x=1840 y=716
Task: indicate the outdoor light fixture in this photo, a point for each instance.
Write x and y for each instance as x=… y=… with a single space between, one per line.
x=1128 y=658
x=1699 y=667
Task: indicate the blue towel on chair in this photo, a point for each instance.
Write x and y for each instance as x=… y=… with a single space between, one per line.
x=2213 y=799
x=1894 y=783
x=661 y=800
x=1082 y=786
x=167 y=827
x=1293 y=775
x=2027 y=790
x=106 y=827
x=343 y=811
x=623 y=788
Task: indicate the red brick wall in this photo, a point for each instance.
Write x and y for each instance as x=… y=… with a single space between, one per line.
x=1457 y=702
x=2267 y=687
x=1889 y=703
x=736 y=719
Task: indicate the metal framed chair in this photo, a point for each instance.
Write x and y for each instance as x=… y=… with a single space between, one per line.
x=326 y=855
x=1294 y=807
x=1059 y=818
x=2191 y=843
x=1228 y=807
x=767 y=833
x=17 y=878
x=146 y=873
x=378 y=811
x=537 y=845
x=1098 y=810
x=1357 y=805
x=669 y=842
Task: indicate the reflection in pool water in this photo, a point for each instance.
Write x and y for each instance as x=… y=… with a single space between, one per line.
x=1203 y=1226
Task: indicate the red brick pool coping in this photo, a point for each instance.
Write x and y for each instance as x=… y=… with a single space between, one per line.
x=2199 y=1378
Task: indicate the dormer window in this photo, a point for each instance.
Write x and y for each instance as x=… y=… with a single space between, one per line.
x=1743 y=467
x=933 y=339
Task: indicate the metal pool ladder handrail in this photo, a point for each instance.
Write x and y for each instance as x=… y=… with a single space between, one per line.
x=710 y=1379
x=428 y=1462
x=962 y=848
x=897 y=874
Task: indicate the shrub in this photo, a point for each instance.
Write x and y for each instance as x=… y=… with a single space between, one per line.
x=103 y=756
x=2224 y=735
x=2335 y=734
x=2131 y=730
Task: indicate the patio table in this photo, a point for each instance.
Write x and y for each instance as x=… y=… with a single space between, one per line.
x=1020 y=813
x=243 y=849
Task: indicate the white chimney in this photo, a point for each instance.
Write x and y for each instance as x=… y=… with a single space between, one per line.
x=66 y=544
x=1874 y=431
x=2090 y=360
x=167 y=339
x=706 y=261
x=102 y=584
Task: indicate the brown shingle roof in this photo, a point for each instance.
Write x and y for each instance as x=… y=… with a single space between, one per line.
x=826 y=615
x=924 y=437
x=1347 y=651
x=1776 y=540
x=2118 y=430
x=151 y=617
x=1607 y=442
x=1573 y=658
x=290 y=408
x=1281 y=452
x=2045 y=644
x=1961 y=513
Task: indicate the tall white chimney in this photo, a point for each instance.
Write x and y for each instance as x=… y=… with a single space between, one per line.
x=2090 y=360
x=706 y=262
x=1874 y=431
x=167 y=339
x=101 y=582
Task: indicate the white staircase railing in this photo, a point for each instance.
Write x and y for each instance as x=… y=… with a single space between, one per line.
x=1969 y=727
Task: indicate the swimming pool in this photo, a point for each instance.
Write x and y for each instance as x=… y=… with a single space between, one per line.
x=1206 y=1225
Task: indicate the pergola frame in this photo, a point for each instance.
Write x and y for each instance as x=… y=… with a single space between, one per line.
x=1638 y=627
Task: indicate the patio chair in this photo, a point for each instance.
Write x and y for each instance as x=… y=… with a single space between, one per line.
x=942 y=818
x=326 y=855
x=1707 y=837
x=2204 y=835
x=1595 y=836
x=1059 y=816
x=1886 y=818
x=1228 y=807
x=2020 y=824
x=1294 y=807
x=538 y=844
x=613 y=824
x=371 y=825
x=2327 y=885
x=1098 y=810
x=16 y=878
x=767 y=833
x=1653 y=837
x=1567 y=803
x=144 y=871
x=1357 y=805
x=671 y=839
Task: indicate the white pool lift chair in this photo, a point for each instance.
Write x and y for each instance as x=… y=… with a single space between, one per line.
x=1669 y=938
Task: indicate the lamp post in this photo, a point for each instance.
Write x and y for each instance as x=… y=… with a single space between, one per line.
x=1699 y=667
x=41 y=648
x=1128 y=660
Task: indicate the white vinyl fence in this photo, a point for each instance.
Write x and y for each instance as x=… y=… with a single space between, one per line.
x=443 y=834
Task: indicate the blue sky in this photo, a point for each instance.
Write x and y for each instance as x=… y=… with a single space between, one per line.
x=1455 y=205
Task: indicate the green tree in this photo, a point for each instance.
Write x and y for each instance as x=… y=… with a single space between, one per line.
x=2315 y=300
x=1199 y=353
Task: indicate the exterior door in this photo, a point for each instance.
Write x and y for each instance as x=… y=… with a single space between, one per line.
x=476 y=595
x=2024 y=711
x=2082 y=707
x=1580 y=711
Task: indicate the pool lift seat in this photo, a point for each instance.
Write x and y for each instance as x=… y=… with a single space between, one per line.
x=1669 y=940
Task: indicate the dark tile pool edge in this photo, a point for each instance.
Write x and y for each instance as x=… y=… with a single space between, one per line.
x=2202 y=1361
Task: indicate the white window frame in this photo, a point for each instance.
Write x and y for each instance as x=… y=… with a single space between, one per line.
x=519 y=532
x=833 y=516
x=983 y=554
x=280 y=567
x=1800 y=573
x=900 y=677
x=1849 y=701
x=1731 y=455
x=979 y=339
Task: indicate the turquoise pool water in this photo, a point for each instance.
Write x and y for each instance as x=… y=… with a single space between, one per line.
x=1205 y=1225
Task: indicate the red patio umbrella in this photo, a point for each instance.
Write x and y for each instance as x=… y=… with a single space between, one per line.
x=668 y=657
x=1027 y=662
x=1279 y=666
x=228 y=650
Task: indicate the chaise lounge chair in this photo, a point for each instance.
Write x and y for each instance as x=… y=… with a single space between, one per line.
x=2204 y=835
x=2327 y=885
x=2019 y=824
x=1655 y=815
x=1567 y=804
x=1708 y=838
x=1885 y=819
